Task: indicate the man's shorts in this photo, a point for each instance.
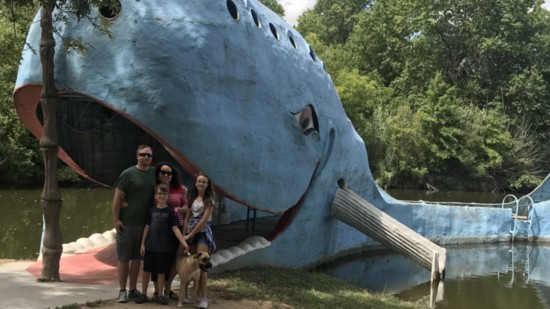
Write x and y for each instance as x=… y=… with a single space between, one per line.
x=128 y=243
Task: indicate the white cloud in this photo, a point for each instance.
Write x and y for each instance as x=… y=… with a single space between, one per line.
x=546 y=4
x=294 y=8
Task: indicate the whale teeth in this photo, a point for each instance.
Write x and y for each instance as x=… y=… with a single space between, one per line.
x=219 y=258
x=250 y=244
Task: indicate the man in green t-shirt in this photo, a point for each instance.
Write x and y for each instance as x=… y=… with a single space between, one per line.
x=133 y=196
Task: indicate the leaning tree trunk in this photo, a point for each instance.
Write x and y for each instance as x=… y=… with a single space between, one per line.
x=50 y=201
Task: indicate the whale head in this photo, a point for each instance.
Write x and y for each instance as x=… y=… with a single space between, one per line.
x=223 y=87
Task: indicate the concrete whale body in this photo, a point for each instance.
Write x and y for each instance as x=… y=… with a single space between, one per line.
x=230 y=89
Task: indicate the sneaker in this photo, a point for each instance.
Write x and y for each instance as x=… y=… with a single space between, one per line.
x=122 y=297
x=135 y=294
x=141 y=300
x=163 y=300
x=203 y=304
x=172 y=295
x=155 y=297
x=187 y=300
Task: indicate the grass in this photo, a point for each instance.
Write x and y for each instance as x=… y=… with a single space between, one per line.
x=284 y=289
x=299 y=289
x=90 y=304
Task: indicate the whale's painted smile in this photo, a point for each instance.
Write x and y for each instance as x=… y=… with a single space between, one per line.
x=86 y=123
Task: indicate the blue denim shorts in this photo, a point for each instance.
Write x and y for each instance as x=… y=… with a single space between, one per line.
x=199 y=238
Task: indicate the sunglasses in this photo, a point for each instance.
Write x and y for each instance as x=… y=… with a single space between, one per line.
x=144 y=154
x=166 y=173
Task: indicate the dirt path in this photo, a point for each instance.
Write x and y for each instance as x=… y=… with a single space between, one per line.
x=215 y=303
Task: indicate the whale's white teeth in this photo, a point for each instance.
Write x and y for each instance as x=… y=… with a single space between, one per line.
x=221 y=257
x=250 y=244
x=84 y=244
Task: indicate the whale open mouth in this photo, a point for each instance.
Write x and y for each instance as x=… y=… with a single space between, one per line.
x=98 y=142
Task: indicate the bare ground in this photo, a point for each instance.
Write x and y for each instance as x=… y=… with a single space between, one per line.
x=216 y=301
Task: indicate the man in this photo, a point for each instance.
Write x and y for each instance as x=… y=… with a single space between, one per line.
x=133 y=196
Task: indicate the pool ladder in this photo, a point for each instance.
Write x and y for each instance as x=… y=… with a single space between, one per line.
x=526 y=204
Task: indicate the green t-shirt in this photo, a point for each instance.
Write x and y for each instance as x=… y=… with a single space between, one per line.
x=138 y=187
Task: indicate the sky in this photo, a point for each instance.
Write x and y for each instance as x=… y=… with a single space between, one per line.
x=294 y=8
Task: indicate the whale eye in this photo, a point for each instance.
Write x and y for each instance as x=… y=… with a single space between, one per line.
x=110 y=9
x=307 y=119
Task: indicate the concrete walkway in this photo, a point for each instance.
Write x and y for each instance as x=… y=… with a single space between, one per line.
x=19 y=289
x=88 y=275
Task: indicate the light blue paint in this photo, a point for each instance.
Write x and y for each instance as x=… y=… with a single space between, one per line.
x=221 y=94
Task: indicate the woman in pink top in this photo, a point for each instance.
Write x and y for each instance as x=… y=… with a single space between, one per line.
x=167 y=174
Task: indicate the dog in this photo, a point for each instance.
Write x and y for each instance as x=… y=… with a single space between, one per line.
x=189 y=268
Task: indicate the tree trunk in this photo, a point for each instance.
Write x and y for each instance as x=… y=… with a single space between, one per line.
x=50 y=200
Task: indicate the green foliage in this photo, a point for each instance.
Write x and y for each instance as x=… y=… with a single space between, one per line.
x=439 y=90
x=20 y=158
x=274 y=6
x=332 y=21
x=19 y=153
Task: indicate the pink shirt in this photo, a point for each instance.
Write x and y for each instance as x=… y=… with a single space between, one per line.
x=177 y=198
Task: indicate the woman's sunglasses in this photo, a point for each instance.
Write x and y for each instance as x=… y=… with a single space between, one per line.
x=165 y=173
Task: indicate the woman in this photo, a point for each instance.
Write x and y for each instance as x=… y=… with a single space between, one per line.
x=167 y=174
x=199 y=234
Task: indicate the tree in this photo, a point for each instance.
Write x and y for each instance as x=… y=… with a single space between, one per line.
x=441 y=88
x=332 y=21
x=50 y=199
x=274 y=6
x=18 y=151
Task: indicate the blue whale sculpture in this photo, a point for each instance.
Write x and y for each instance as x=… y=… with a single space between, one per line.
x=230 y=89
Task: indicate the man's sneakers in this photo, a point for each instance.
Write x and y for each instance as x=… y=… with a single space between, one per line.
x=203 y=304
x=143 y=299
x=122 y=297
x=135 y=294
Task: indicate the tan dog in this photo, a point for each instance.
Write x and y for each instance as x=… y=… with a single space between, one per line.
x=189 y=269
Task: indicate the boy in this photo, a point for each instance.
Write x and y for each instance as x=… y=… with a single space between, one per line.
x=156 y=243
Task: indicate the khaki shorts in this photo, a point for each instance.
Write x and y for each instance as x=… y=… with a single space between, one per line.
x=128 y=243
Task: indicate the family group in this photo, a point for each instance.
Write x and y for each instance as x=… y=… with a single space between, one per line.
x=156 y=218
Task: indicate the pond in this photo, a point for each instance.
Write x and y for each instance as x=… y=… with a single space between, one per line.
x=84 y=212
x=88 y=211
x=477 y=277
x=482 y=276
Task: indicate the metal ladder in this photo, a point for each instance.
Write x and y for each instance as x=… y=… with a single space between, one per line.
x=525 y=216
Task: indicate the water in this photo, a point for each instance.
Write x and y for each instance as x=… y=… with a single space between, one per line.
x=84 y=212
x=447 y=196
x=488 y=276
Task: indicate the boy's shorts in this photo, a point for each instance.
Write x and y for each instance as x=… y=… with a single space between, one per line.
x=158 y=262
x=128 y=243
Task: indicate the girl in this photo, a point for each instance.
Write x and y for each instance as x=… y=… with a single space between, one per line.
x=199 y=233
